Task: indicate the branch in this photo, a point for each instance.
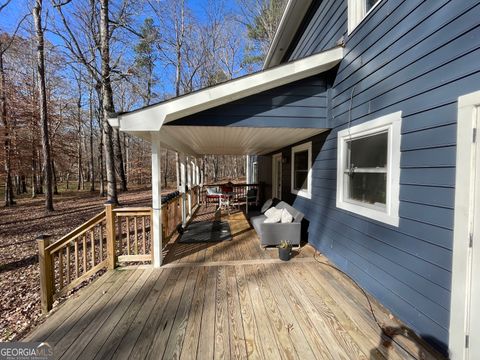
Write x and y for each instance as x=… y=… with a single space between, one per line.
x=4 y=5
x=10 y=41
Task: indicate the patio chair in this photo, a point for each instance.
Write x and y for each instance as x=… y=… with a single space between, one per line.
x=212 y=193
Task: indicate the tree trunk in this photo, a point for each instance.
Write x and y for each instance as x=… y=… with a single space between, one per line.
x=7 y=145
x=101 y=167
x=47 y=164
x=92 y=164
x=108 y=106
x=119 y=160
x=165 y=171
x=54 y=173
x=79 y=134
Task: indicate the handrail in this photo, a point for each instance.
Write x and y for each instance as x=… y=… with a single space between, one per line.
x=85 y=227
x=114 y=235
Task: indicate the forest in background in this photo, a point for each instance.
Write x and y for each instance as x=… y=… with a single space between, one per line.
x=66 y=64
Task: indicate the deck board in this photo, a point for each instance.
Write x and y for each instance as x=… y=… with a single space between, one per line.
x=230 y=300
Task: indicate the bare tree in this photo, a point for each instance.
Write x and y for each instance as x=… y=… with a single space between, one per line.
x=47 y=163
x=5 y=43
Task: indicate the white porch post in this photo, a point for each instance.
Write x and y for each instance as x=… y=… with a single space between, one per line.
x=156 y=202
x=247 y=170
x=197 y=172
x=177 y=172
x=189 y=184
x=182 y=188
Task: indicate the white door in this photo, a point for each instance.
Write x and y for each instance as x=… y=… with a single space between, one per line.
x=277 y=176
x=473 y=324
x=464 y=329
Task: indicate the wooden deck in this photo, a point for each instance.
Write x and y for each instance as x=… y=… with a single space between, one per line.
x=224 y=300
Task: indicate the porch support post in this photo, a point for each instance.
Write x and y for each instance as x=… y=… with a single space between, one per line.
x=197 y=172
x=156 y=201
x=177 y=172
x=189 y=184
x=182 y=188
x=247 y=169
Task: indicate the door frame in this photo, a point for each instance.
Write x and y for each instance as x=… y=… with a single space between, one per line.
x=466 y=182
x=275 y=158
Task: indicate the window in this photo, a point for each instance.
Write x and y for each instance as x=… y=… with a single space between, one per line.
x=368 y=168
x=301 y=170
x=358 y=10
x=254 y=172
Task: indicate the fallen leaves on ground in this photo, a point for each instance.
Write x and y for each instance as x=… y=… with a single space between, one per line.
x=19 y=271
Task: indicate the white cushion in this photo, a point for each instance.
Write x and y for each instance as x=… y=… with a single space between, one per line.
x=271 y=212
x=272 y=220
x=286 y=216
x=273 y=215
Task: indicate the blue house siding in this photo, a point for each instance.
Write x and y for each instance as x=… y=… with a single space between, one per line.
x=417 y=57
x=301 y=104
x=326 y=27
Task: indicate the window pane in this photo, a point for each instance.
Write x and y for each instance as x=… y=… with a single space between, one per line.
x=369 y=152
x=370 y=188
x=301 y=170
x=370 y=4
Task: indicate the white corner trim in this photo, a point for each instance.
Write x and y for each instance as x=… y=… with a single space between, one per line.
x=308 y=193
x=464 y=184
x=391 y=123
x=153 y=117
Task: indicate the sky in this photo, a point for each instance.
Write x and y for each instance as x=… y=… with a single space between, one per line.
x=17 y=9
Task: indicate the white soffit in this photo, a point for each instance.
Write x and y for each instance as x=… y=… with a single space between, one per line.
x=153 y=117
x=229 y=140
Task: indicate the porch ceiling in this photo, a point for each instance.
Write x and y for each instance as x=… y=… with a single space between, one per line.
x=226 y=140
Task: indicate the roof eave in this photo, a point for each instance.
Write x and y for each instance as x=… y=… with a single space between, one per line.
x=291 y=19
x=151 y=119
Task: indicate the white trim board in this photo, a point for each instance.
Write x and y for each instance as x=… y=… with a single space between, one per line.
x=292 y=17
x=152 y=118
x=468 y=106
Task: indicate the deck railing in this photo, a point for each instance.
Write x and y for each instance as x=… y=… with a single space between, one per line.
x=133 y=237
x=171 y=216
x=116 y=235
x=69 y=261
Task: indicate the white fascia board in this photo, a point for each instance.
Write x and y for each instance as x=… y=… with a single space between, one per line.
x=152 y=118
x=292 y=17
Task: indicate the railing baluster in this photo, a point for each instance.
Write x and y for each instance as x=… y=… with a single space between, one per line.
x=84 y=254
x=60 y=268
x=92 y=242
x=101 y=242
x=136 y=235
x=128 y=235
x=144 y=235
x=68 y=263
x=76 y=258
x=119 y=238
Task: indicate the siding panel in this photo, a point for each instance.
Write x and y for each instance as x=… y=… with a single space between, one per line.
x=299 y=104
x=417 y=57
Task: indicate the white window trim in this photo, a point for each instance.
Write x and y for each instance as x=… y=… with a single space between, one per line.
x=308 y=193
x=391 y=123
x=357 y=12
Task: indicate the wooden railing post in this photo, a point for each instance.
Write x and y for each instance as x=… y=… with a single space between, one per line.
x=46 y=273
x=111 y=251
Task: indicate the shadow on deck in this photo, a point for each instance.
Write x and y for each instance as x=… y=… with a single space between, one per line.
x=223 y=300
